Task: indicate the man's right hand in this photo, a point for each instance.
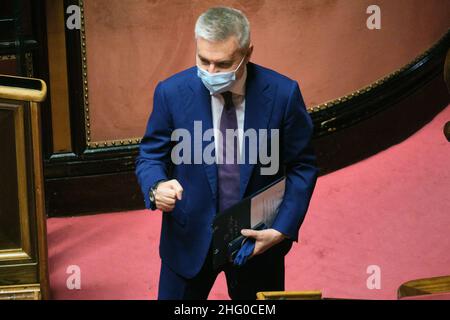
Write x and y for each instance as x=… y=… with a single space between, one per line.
x=167 y=194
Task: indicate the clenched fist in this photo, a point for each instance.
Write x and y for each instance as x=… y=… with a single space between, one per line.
x=166 y=195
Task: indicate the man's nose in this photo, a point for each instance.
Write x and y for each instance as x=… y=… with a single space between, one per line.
x=212 y=68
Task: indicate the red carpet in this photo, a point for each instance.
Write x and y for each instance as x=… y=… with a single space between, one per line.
x=392 y=211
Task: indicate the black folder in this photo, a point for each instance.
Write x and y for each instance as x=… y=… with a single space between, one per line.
x=227 y=226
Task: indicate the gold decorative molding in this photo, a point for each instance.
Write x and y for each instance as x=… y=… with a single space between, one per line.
x=113 y=143
x=87 y=123
x=89 y=143
x=378 y=82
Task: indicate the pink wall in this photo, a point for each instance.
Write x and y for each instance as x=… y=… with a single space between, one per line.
x=324 y=44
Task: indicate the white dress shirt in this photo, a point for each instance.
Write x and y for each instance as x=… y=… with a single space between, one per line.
x=217 y=104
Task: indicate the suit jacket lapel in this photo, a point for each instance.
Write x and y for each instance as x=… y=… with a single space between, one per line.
x=199 y=105
x=258 y=109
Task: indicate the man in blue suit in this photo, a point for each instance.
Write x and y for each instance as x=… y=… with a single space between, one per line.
x=224 y=92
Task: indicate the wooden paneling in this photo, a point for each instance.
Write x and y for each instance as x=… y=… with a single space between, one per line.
x=93 y=194
x=10 y=236
x=26 y=292
x=58 y=85
x=23 y=248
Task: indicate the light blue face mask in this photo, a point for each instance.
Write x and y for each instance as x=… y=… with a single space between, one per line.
x=218 y=82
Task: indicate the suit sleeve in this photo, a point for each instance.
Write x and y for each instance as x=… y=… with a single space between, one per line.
x=300 y=165
x=153 y=161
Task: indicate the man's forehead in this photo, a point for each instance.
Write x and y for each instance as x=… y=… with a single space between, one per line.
x=217 y=51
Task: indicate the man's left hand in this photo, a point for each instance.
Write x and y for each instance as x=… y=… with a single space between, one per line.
x=264 y=239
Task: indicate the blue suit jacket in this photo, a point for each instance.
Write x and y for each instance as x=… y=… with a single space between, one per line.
x=272 y=101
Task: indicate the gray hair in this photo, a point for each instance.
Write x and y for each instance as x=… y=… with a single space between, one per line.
x=219 y=23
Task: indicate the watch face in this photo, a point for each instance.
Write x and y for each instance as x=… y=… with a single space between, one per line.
x=152 y=196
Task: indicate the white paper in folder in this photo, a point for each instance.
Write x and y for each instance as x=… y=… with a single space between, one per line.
x=264 y=206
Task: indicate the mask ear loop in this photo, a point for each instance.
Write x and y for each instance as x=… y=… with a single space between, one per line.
x=240 y=63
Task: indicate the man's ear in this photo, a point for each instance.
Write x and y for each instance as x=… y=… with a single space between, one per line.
x=249 y=52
